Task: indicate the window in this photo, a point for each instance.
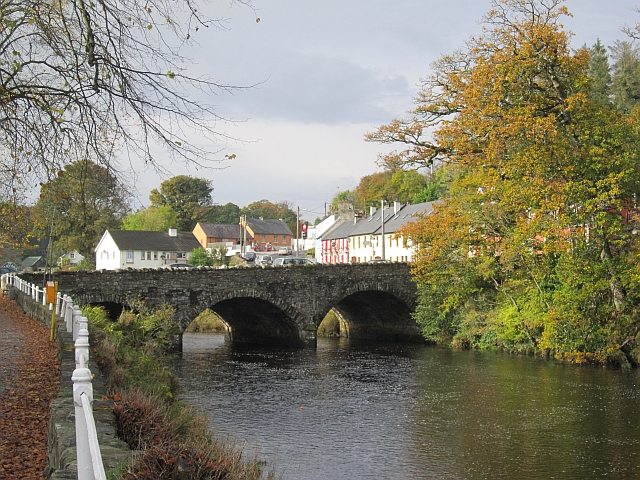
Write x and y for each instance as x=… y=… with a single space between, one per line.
x=72 y=255
x=181 y=255
x=141 y=255
x=130 y=257
x=264 y=238
x=155 y=255
x=284 y=239
x=148 y=255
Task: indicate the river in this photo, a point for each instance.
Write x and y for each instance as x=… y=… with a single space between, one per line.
x=354 y=411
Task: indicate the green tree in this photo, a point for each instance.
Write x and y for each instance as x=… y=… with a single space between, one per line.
x=529 y=252
x=152 y=218
x=599 y=73
x=200 y=257
x=188 y=197
x=404 y=185
x=225 y=214
x=82 y=202
x=215 y=257
x=626 y=75
x=437 y=186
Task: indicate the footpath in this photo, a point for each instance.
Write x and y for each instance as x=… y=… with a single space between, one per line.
x=29 y=381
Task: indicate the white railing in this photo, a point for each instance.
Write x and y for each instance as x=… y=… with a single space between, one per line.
x=89 y=458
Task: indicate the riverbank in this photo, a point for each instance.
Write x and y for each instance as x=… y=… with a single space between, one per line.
x=29 y=381
x=171 y=439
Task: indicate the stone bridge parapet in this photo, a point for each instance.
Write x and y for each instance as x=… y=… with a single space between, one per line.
x=264 y=305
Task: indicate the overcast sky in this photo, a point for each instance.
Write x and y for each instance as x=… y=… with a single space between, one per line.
x=330 y=71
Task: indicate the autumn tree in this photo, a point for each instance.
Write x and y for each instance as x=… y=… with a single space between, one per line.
x=373 y=188
x=98 y=80
x=530 y=251
x=266 y=209
x=189 y=197
x=82 y=202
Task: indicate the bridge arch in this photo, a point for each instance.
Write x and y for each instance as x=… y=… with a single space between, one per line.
x=253 y=317
x=378 y=311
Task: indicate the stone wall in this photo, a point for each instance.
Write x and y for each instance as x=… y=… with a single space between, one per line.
x=62 y=434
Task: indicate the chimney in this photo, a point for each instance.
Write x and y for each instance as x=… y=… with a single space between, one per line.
x=173 y=232
x=396 y=207
x=372 y=210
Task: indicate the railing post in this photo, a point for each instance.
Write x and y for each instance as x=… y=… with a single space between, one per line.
x=82 y=347
x=76 y=321
x=68 y=313
x=58 y=303
x=81 y=379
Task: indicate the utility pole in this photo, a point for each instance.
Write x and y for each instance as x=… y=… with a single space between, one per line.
x=382 y=217
x=243 y=234
x=298 y=231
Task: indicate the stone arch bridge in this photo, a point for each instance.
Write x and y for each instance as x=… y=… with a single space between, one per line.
x=272 y=305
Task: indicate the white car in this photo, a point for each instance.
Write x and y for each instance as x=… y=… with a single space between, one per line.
x=293 y=261
x=284 y=251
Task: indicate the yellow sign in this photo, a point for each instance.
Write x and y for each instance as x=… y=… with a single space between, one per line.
x=51 y=292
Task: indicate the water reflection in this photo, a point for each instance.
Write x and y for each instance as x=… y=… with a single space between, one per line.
x=356 y=411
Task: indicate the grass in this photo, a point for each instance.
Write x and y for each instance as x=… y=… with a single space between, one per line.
x=330 y=325
x=207 y=322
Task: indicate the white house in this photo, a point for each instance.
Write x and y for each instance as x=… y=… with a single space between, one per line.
x=366 y=239
x=142 y=249
x=74 y=257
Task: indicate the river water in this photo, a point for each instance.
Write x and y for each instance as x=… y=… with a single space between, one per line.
x=353 y=411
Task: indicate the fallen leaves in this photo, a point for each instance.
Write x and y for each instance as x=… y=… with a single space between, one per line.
x=30 y=375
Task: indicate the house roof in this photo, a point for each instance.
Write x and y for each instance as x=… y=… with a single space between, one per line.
x=268 y=226
x=406 y=214
x=372 y=225
x=341 y=231
x=30 y=261
x=220 y=230
x=154 y=241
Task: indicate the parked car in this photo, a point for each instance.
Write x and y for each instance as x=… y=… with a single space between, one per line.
x=293 y=261
x=264 y=260
x=177 y=265
x=284 y=251
x=249 y=256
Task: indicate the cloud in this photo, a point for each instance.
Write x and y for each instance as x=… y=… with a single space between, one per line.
x=319 y=89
